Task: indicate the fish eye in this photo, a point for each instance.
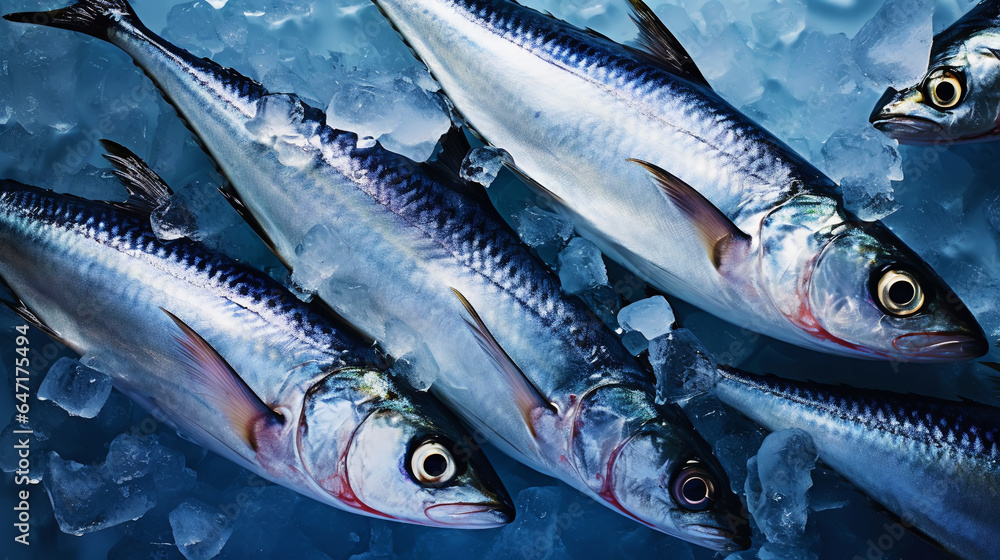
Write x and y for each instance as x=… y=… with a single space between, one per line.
x=899 y=292
x=944 y=88
x=694 y=488
x=431 y=464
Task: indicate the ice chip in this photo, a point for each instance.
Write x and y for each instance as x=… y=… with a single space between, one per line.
x=581 y=266
x=539 y=227
x=79 y=390
x=321 y=253
x=893 y=48
x=174 y=220
x=84 y=500
x=778 y=481
x=200 y=531
x=682 y=366
x=653 y=317
x=482 y=165
x=635 y=342
x=418 y=367
x=604 y=302
x=129 y=458
x=779 y=22
x=865 y=162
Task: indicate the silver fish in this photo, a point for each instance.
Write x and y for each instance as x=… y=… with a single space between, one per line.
x=234 y=361
x=934 y=463
x=520 y=361
x=958 y=99
x=676 y=185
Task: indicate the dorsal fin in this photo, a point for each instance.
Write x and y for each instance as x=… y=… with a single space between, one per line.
x=146 y=189
x=660 y=45
x=529 y=397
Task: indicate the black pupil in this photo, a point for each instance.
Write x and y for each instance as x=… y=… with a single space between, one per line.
x=945 y=91
x=694 y=490
x=435 y=465
x=901 y=292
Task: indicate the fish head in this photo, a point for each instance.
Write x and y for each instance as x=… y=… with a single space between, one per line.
x=649 y=463
x=868 y=292
x=381 y=452
x=958 y=99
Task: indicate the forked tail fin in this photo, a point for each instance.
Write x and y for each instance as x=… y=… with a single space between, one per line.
x=93 y=17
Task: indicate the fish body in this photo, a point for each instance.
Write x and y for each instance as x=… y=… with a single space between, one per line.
x=958 y=98
x=425 y=262
x=234 y=361
x=934 y=463
x=676 y=185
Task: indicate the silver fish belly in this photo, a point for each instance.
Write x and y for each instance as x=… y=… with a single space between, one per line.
x=233 y=360
x=675 y=184
x=524 y=364
x=958 y=98
x=934 y=463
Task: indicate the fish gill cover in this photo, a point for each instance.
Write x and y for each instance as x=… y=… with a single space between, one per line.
x=809 y=71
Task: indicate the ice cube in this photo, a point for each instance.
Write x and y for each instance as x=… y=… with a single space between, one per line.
x=481 y=165
x=540 y=228
x=128 y=458
x=581 y=266
x=682 y=366
x=84 y=500
x=778 y=482
x=893 y=48
x=79 y=390
x=200 y=531
x=320 y=254
x=653 y=317
x=779 y=22
x=866 y=162
x=174 y=220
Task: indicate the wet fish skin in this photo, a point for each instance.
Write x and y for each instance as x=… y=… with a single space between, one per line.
x=958 y=98
x=676 y=185
x=420 y=249
x=341 y=429
x=934 y=463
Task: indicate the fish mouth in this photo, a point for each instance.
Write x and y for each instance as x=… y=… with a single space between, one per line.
x=464 y=515
x=940 y=347
x=717 y=539
x=908 y=128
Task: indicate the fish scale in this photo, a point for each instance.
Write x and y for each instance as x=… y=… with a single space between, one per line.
x=675 y=184
x=233 y=361
x=426 y=261
x=934 y=463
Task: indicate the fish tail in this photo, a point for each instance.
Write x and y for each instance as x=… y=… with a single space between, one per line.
x=93 y=17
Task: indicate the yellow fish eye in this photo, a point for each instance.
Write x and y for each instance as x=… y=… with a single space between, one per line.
x=900 y=293
x=944 y=88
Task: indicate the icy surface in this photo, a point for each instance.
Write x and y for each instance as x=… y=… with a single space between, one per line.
x=894 y=46
x=581 y=266
x=778 y=482
x=200 y=531
x=79 y=390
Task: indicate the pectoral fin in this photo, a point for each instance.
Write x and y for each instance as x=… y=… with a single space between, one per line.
x=721 y=237
x=213 y=378
x=529 y=398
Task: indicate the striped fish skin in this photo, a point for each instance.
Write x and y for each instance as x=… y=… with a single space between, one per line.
x=344 y=432
x=958 y=98
x=587 y=119
x=414 y=242
x=934 y=463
